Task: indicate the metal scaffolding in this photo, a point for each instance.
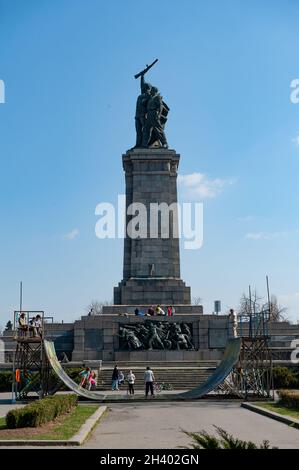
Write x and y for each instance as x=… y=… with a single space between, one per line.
x=252 y=377
x=31 y=370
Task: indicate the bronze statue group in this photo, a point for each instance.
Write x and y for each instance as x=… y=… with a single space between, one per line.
x=150 y=117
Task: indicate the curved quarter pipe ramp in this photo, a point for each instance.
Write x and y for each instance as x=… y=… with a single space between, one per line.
x=60 y=372
x=230 y=359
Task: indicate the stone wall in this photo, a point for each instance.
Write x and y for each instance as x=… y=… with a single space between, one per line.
x=96 y=338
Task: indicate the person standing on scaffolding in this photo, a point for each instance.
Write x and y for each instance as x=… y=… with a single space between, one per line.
x=233 y=321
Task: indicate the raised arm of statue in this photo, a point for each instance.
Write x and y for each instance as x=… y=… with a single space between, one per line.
x=142 y=82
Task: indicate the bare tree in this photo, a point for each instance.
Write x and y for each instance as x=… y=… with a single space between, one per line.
x=257 y=303
x=277 y=312
x=253 y=304
x=96 y=307
x=196 y=300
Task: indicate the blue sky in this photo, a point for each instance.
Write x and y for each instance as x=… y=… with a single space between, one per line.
x=225 y=70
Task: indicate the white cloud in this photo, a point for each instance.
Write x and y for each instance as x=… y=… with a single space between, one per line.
x=255 y=236
x=296 y=140
x=264 y=235
x=71 y=235
x=246 y=218
x=200 y=185
x=270 y=235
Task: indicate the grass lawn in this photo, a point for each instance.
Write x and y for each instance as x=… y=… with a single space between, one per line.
x=2 y=423
x=64 y=428
x=282 y=410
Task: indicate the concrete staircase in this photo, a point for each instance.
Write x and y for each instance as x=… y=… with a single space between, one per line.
x=181 y=375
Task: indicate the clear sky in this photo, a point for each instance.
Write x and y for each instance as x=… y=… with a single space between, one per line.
x=224 y=69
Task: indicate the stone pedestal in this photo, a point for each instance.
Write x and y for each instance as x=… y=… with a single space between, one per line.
x=151 y=267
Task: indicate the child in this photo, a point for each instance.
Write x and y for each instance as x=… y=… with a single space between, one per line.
x=92 y=383
x=121 y=378
x=85 y=376
x=131 y=381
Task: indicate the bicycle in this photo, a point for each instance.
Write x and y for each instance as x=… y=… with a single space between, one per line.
x=159 y=387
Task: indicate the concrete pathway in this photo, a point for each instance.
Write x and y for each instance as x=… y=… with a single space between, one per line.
x=158 y=425
x=6 y=405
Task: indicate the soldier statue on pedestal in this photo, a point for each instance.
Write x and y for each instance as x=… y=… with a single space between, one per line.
x=141 y=110
x=151 y=115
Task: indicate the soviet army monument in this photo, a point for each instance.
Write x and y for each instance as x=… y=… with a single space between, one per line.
x=151 y=265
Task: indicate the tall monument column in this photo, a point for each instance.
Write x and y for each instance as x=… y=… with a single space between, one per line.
x=151 y=267
x=151 y=264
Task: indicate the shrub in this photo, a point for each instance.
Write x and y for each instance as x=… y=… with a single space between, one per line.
x=204 y=440
x=73 y=373
x=40 y=412
x=283 y=377
x=56 y=384
x=5 y=381
x=289 y=398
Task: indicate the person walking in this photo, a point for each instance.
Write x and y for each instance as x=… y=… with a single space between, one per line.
x=121 y=379
x=149 y=381
x=131 y=380
x=115 y=379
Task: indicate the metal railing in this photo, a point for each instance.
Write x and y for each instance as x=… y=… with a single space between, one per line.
x=27 y=328
x=254 y=324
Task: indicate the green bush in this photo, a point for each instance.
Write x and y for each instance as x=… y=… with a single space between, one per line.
x=289 y=398
x=283 y=377
x=40 y=412
x=204 y=440
x=5 y=381
x=56 y=383
x=73 y=373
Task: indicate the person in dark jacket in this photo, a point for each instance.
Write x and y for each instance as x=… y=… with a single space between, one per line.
x=115 y=375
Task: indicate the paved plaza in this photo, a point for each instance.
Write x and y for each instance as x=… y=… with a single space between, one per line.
x=156 y=425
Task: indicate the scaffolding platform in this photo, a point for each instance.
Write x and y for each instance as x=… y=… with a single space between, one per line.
x=31 y=368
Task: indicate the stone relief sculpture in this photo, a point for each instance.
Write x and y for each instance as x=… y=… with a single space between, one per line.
x=156 y=335
x=129 y=338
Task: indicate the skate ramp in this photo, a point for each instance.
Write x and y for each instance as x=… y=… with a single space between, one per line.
x=230 y=359
x=60 y=372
